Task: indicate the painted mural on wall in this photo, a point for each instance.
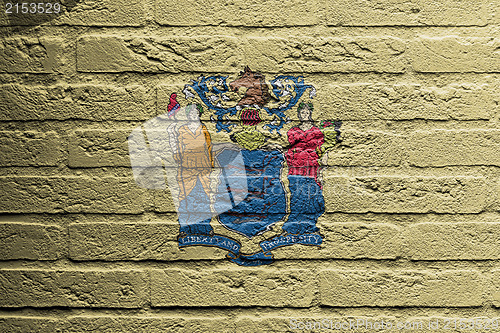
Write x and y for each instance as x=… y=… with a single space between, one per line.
x=243 y=153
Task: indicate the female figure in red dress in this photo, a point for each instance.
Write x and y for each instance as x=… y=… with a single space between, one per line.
x=307 y=202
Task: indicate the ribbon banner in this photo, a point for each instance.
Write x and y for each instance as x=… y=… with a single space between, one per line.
x=255 y=259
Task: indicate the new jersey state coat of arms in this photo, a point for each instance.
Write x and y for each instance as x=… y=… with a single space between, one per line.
x=240 y=152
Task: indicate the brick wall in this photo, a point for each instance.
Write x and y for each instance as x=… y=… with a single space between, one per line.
x=412 y=223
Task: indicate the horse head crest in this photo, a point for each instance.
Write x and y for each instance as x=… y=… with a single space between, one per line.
x=257 y=92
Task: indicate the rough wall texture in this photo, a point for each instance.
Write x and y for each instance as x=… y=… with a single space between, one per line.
x=411 y=231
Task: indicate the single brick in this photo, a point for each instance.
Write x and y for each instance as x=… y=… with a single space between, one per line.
x=30 y=324
x=361 y=101
x=31 y=55
x=496 y=288
x=400 y=194
x=78 y=195
x=232 y=287
x=327 y=54
x=349 y=241
x=401 y=288
x=454 y=147
x=160 y=324
x=455 y=55
x=46 y=288
x=368 y=148
x=31 y=241
x=445 y=241
x=144 y=54
x=97 y=148
x=30 y=149
x=134 y=241
x=403 y=13
x=86 y=101
x=104 y=13
x=259 y=13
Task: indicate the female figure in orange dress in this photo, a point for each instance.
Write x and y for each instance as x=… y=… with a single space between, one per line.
x=195 y=160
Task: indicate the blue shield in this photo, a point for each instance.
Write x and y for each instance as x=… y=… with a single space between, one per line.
x=264 y=204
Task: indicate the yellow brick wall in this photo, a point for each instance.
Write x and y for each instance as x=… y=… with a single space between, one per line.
x=412 y=223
